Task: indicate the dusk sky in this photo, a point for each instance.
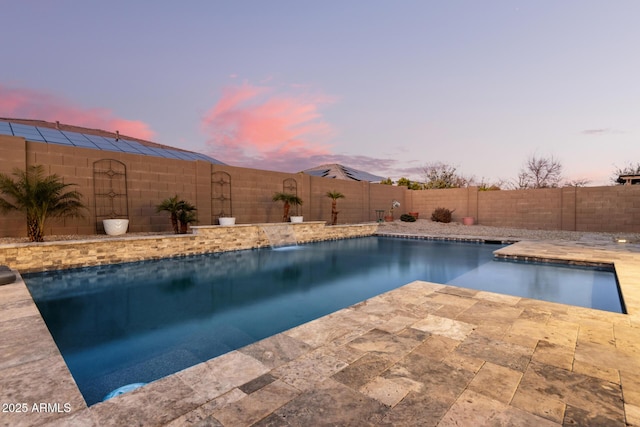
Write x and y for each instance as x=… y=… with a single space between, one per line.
x=382 y=86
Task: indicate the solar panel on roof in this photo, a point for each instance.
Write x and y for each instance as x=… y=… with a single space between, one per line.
x=56 y=136
x=22 y=127
x=186 y=156
x=58 y=140
x=95 y=138
x=48 y=131
x=181 y=155
x=79 y=140
x=147 y=150
x=134 y=144
x=29 y=132
x=171 y=154
x=107 y=146
x=209 y=159
x=5 y=129
x=128 y=147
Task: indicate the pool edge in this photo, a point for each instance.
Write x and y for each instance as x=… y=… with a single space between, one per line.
x=626 y=264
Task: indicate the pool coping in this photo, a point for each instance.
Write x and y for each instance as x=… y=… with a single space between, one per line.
x=291 y=364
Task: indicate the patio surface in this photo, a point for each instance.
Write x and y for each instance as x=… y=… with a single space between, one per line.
x=424 y=354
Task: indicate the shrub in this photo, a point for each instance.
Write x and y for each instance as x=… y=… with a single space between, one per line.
x=40 y=197
x=441 y=215
x=407 y=218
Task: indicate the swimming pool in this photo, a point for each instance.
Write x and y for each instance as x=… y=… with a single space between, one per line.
x=138 y=322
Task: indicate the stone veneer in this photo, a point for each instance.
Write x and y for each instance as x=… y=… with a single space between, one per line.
x=32 y=257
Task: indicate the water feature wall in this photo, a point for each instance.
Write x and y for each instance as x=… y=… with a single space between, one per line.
x=280 y=235
x=128 y=248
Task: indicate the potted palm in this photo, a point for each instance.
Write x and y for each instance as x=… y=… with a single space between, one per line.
x=186 y=216
x=182 y=213
x=171 y=205
x=334 y=196
x=288 y=199
x=39 y=197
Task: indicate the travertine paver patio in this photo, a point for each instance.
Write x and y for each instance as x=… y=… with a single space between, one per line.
x=424 y=354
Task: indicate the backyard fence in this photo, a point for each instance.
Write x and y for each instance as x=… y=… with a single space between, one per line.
x=246 y=194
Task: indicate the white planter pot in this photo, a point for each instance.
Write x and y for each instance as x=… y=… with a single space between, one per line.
x=115 y=227
x=296 y=219
x=226 y=220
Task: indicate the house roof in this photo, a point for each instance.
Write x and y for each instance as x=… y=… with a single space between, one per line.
x=63 y=134
x=629 y=179
x=337 y=171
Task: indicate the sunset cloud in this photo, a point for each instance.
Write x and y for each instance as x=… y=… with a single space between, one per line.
x=267 y=127
x=30 y=104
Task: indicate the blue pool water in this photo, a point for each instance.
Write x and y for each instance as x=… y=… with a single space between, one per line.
x=134 y=323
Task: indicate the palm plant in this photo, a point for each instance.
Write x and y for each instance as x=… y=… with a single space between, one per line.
x=181 y=213
x=39 y=197
x=334 y=196
x=288 y=199
x=171 y=205
x=186 y=215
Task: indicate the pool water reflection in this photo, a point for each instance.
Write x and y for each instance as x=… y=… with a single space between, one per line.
x=130 y=323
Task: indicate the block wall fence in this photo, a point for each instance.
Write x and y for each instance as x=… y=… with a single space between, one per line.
x=152 y=179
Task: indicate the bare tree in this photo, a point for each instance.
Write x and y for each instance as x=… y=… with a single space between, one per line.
x=540 y=172
x=577 y=183
x=484 y=185
x=441 y=175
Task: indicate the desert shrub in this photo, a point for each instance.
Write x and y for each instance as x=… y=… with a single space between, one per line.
x=441 y=215
x=407 y=218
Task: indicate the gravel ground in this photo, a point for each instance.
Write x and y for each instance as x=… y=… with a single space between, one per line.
x=430 y=228
x=421 y=227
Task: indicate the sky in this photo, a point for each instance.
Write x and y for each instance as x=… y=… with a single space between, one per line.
x=387 y=87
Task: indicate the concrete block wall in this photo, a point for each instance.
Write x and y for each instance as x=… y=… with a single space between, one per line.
x=382 y=196
x=463 y=201
x=252 y=191
x=151 y=180
x=611 y=209
x=533 y=209
x=13 y=153
x=354 y=207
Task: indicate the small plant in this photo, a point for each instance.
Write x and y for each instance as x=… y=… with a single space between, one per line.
x=334 y=196
x=182 y=213
x=407 y=218
x=186 y=216
x=441 y=215
x=394 y=204
x=288 y=199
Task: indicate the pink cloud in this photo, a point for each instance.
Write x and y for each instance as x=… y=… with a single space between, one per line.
x=31 y=104
x=262 y=127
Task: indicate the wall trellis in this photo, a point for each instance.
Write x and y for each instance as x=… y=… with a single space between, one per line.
x=110 y=190
x=221 y=205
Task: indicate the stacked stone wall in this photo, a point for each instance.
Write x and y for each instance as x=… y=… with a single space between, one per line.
x=61 y=255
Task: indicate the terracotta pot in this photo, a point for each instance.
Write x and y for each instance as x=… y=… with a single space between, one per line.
x=388 y=218
x=414 y=214
x=468 y=220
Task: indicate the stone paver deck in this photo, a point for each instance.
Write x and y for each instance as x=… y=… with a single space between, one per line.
x=424 y=354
